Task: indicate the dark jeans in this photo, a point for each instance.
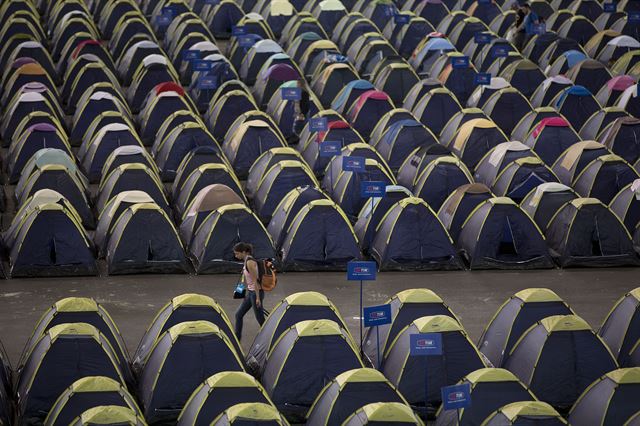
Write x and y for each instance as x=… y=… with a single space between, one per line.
x=249 y=302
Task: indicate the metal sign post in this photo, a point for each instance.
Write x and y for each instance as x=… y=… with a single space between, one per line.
x=456 y=397
x=425 y=344
x=371 y=188
x=375 y=316
x=361 y=271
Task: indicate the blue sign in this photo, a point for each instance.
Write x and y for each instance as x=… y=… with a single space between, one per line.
x=330 y=148
x=208 y=82
x=377 y=315
x=372 y=188
x=202 y=65
x=456 y=396
x=540 y=29
x=402 y=19
x=246 y=41
x=482 y=38
x=482 y=79
x=361 y=270
x=389 y=11
x=425 y=344
x=633 y=16
x=499 y=52
x=190 y=55
x=460 y=62
x=609 y=8
x=353 y=164
x=212 y=2
x=291 y=93
x=163 y=20
x=238 y=30
x=170 y=11
x=319 y=124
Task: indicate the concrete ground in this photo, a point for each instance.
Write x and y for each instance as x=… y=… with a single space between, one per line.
x=474 y=296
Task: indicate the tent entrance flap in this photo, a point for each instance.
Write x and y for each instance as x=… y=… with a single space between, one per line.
x=507 y=244
x=52 y=252
x=596 y=247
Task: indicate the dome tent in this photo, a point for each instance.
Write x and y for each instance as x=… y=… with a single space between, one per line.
x=457 y=207
x=524 y=413
x=408 y=373
x=86 y=393
x=182 y=358
x=211 y=247
x=61 y=356
x=183 y=308
x=319 y=237
x=542 y=203
x=620 y=329
x=219 y=393
x=348 y=392
x=253 y=413
x=584 y=232
x=87 y=311
x=514 y=318
x=491 y=388
x=406 y=306
x=384 y=413
x=498 y=234
x=610 y=400
x=109 y=415
x=310 y=352
x=291 y=310
x=400 y=245
x=560 y=340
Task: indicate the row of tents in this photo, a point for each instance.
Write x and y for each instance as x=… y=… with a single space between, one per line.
x=535 y=358
x=127 y=94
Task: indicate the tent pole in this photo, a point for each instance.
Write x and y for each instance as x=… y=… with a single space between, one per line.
x=361 y=319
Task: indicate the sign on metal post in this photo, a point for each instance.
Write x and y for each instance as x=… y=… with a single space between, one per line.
x=163 y=20
x=377 y=315
x=170 y=11
x=372 y=188
x=208 y=82
x=246 y=41
x=460 y=62
x=390 y=10
x=291 y=93
x=456 y=397
x=202 y=65
x=360 y=270
x=482 y=38
x=425 y=344
x=482 y=79
x=401 y=19
x=330 y=148
x=319 y=124
x=353 y=164
x=191 y=55
x=633 y=16
x=500 y=52
x=609 y=8
x=238 y=30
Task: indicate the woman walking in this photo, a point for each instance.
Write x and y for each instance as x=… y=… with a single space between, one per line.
x=254 y=295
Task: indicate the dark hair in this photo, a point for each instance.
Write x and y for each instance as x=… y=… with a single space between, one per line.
x=243 y=248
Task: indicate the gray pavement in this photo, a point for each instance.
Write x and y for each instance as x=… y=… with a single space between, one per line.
x=133 y=301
